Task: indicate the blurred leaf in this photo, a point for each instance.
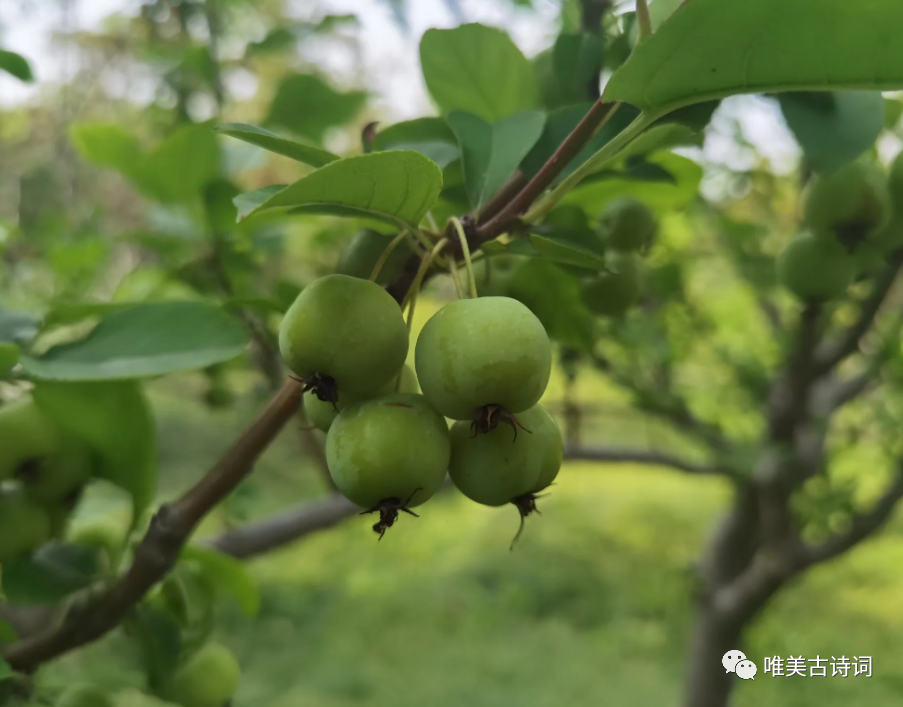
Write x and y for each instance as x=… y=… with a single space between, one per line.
x=106 y=145
x=893 y=109
x=51 y=573
x=308 y=106
x=576 y=62
x=160 y=640
x=261 y=305
x=7 y=633
x=490 y=154
x=313 y=156
x=833 y=128
x=429 y=136
x=72 y=313
x=6 y=672
x=116 y=420
x=9 y=357
x=249 y=201
x=711 y=48
x=277 y=40
x=219 y=207
x=399 y=186
x=16 y=64
x=178 y=167
x=145 y=340
x=477 y=69
x=227 y=573
x=17 y=327
x=561 y=251
x=554 y=297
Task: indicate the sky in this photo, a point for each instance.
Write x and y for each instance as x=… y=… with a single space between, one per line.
x=389 y=55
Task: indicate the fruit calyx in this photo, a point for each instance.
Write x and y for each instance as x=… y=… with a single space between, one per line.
x=321 y=385
x=525 y=504
x=388 y=512
x=488 y=417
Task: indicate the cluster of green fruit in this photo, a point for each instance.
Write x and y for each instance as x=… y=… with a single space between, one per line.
x=854 y=220
x=42 y=473
x=208 y=679
x=627 y=228
x=480 y=362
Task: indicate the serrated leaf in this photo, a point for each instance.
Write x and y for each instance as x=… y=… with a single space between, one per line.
x=490 y=154
x=836 y=130
x=115 y=418
x=145 y=340
x=477 y=69
x=268 y=140
x=429 y=136
x=51 y=573
x=561 y=251
x=226 y=573
x=398 y=186
x=307 y=105
x=16 y=65
x=715 y=48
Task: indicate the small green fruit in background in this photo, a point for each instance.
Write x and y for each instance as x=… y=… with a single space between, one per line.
x=627 y=224
x=107 y=533
x=388 y=454
x=493 y=273
x=363 y=252
x=24 y=525
x=321 y=413
x=851 y=204
x=84 y=696
x=62 y=475
x=612 y=293
x=209 y=679
x=28 y=436
x=815 y=269
x=490 y=351
x=347 y=333
x=493 y=469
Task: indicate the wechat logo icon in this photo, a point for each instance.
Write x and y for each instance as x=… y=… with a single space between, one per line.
x=736 y=662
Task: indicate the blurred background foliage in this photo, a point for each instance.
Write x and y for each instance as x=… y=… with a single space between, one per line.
x=594 y=606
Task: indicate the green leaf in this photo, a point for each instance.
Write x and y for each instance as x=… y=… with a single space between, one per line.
x=106 y=145
x=227 y=573
x=9 y=357
x=836 y=129
x=399 y=186
x=6 y=672
x=50 y=574
x=577 y=61
x=491 y=153
x=307 y=154
x=893 y=109
x=561 y=251
x=714 y=48
x=554 y=297
x=308 y=106
x=429 y=136
x=477 y=69
x=179 y=166
x=7 y=633
x=161 y=642
x=145 y=340
x=17 y=327
x=16 y=64
x=74 y=313
x=250 y=201
x=662 y=195
x=116 y=420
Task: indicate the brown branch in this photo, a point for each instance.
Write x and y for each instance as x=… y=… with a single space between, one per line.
x=509 y=190
x=639 y=456
x=159 y=550
x=835 y=351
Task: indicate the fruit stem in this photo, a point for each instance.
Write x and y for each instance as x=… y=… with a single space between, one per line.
x=644 y=21
x=411 y=296
x=456 y=278
x=465 y=249
x=386 y=253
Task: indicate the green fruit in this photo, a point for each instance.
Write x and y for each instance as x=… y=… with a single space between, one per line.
x=321 y=413
x=104 y=532
x=493 y=274
x=27 y=435
x=612 y=293
x=365 y=249
x=482 y=352
x=209 y=678
x=493 y=469
x=84 y=696
x=627 y=224
x=815 y=269
x=61 y=476
x=24 y=525
x=348 y=329
x=851 y=203
x=394 y=447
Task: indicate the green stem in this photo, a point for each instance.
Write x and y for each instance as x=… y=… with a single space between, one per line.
x=411 y=297
x=608 y=152
x=456 y=278
x=386 y=253
x=643 y=21
x=465 y=249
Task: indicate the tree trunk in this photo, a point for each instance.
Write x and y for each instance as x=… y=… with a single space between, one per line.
x=708 y=684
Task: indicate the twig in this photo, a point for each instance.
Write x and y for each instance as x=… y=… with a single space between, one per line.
x=158 y=552
x=639 y=456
